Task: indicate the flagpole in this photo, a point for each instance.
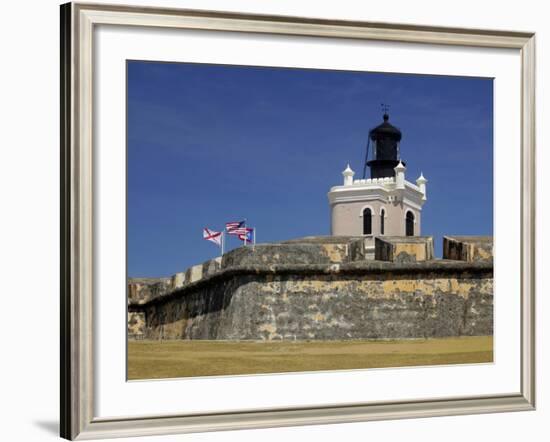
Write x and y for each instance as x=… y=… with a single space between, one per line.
x=223 y=240
x=245 y=233
x=254 y=238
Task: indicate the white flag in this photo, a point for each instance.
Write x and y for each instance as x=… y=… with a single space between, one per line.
x=211 y=235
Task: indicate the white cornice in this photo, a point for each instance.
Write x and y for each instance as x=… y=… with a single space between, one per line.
x=368 y=185
x=352 y=194
x=381 y=191
x=354 y=199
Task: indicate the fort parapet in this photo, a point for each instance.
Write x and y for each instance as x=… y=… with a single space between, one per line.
x=323 y=288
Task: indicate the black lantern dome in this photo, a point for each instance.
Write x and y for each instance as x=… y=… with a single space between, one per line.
x=385 y=140
x=385 y=130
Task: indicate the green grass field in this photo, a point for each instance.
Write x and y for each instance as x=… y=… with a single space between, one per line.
x=169 y=359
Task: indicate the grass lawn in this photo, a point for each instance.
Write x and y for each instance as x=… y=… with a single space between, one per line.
x=168 y=359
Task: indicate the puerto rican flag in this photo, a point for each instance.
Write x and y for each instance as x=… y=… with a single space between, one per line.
x=231 y=227
x=246 y=235
x=239 y=231
x=211 y=235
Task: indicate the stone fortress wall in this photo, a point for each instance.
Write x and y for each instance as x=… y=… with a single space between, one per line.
x=325 y=288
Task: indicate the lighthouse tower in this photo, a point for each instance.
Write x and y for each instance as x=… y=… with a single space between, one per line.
x=384 y=204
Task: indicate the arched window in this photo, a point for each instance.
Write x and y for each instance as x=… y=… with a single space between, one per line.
x=409 y=224
x=382 y=216
x=367 y=221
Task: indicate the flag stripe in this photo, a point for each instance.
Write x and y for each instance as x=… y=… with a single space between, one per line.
x=240 y=231
x=230 y=226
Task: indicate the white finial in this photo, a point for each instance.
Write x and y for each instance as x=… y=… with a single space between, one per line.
x=400 y=167
x=348 y=176
x=421 y=183
x=400 y=175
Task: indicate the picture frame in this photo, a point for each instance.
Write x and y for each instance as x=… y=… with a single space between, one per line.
x=78 y=24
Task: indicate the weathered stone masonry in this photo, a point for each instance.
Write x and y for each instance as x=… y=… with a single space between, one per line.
x=315 y=289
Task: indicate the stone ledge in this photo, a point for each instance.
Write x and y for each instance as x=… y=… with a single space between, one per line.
x=288 y=253
x=317 y=254
x=143 y=289
x=468 y=248
x=360 y=268
x=401 y=249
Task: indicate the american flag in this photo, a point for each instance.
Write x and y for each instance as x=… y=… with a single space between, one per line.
x=211 y=235
x=232 y=226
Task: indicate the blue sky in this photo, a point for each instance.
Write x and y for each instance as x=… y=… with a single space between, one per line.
x=210 y=143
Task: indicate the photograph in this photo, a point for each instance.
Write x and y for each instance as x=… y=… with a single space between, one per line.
x=298 y=220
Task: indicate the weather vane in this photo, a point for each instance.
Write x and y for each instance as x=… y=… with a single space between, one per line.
x=385 y=107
